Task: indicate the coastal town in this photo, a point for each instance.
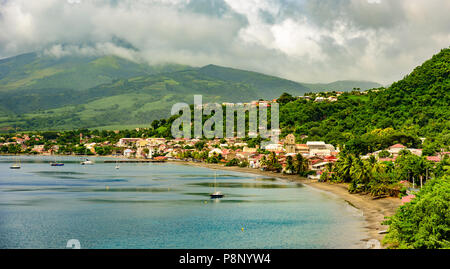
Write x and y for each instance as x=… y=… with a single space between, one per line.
x=318 y=155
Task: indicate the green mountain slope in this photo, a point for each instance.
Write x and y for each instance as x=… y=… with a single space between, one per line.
x=343 y=85
x=38 y=92
x=417 y=106
x=33 y=71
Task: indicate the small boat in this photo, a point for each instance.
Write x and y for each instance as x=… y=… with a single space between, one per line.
x=216 y=194
x=87 y=162
x=15 y=166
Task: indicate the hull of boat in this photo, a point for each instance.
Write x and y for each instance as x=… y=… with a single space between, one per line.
x=57 y=164
x=15 y=167
x=216 y=196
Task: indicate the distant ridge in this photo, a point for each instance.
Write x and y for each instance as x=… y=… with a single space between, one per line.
x=38 y=91
x=343 y=85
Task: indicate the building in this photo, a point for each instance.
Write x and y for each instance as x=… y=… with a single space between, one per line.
x=289 y=144
x=395 y=149
x=126 y=142
x=215 y=151
x=302 y=149
x=320 y=148
x=274 y=147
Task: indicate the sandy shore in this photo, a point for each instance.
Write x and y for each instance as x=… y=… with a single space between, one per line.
x=374 y=210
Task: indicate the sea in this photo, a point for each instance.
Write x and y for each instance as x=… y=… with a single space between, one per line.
x=165 y=206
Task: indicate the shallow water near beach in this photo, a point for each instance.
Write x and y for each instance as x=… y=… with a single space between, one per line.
x=165 y=205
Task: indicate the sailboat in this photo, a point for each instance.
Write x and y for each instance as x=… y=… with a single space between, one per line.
x=16 y=164
x=87 y=161
x=117 y=165
x=216 y=194
x=55 y=163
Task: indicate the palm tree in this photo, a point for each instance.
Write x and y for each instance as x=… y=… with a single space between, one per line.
x=343 y=167
x=301 y=165
x=360 y=171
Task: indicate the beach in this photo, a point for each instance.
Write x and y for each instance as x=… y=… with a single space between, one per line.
x=374 y=210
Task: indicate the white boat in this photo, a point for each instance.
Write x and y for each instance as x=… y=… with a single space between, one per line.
x=16 y=165
x=87 y=162
x=216 y=194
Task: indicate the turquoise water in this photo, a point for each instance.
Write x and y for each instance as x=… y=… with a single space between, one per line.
x=165 y=206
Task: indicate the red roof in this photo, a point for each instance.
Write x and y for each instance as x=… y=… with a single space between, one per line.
x=397 y=146
x=433 y=159
x=160 y=158
x=407 y=199
x=386 y=160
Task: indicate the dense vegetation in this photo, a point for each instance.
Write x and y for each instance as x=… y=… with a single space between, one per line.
x=415 y=107
x=423 y=223
x=381 y=179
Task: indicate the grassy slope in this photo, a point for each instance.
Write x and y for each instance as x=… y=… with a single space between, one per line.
x=38 y=92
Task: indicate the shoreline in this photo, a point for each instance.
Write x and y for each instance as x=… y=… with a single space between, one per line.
x=373 y=210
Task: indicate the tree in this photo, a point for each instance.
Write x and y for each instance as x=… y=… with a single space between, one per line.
x=285 y=98
x=384 y=154
x=423 y=223
x=300 y=165
x=289 y=164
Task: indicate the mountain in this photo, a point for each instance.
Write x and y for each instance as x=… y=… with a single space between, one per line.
x=35 y=71
x=414 y=107
x=342 y=85
x=42 y=92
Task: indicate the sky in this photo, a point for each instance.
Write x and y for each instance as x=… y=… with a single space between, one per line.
x=301 y=40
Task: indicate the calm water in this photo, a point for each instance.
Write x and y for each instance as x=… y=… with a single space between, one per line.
x=164 y=206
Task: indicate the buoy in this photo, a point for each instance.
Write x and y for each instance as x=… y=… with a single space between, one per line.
x=242 y=229
x=107 y=188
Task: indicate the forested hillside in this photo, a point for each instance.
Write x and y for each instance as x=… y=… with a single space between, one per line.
x=416 y=106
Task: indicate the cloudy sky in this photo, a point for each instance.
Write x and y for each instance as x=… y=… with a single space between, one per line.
x=302 y=40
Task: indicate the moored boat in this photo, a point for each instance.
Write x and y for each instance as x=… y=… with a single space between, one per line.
x=87 y=162
x=15 y=166
x=216 y=194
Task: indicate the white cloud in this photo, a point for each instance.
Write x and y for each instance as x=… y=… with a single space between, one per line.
x=304 y=40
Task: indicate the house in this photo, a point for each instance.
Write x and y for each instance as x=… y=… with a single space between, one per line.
x=255 y=161
x=125 y=142
x=320 y=99
x=320 y=148
x=302 y=149
x=228 y=154
x=215 y=151
x=386 y=160
x=395 y=149
x=128 y=153
x=38 y=148
x=250 y=150
x=274 y=147
x=435 y=159
x=319 y=166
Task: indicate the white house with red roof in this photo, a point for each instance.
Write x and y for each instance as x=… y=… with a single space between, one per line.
x=395 y=149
